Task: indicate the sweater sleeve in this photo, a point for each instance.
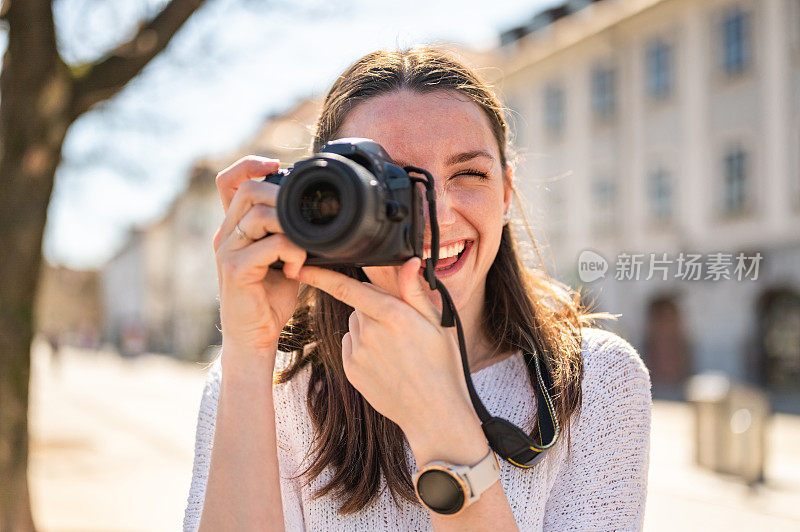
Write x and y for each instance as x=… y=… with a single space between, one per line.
x=204 y=441
x=291 y=425
x=603 y=482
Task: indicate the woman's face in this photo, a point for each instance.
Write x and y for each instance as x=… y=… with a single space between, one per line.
x=449 y=135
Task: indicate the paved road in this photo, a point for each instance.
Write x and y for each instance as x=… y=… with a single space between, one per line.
x=112 y=442
x=112 y=446
x=683 y=497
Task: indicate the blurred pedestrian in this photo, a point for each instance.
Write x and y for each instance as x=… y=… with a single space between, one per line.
x=53 y=343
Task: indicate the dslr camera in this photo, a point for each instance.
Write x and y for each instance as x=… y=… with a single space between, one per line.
x=350 y=205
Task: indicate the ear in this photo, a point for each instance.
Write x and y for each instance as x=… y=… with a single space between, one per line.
x=508 y=186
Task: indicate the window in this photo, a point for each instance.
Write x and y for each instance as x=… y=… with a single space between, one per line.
x=795 y=22
x=735 y=182
x=659 y=69
x=556 y=211
x=736 y=41
x=605 y=202
x=660 y=195
x=603 y=92
x=554 y=108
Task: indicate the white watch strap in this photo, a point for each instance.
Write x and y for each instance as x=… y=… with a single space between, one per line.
x=481 y=476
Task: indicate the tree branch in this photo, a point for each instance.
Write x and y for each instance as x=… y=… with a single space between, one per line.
x=31 y=33
x=108 y=76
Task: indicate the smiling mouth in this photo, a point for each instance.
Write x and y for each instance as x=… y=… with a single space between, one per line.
x=456 y=251
x=446 y=251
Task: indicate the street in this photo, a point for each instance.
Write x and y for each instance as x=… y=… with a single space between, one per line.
x=112 y=446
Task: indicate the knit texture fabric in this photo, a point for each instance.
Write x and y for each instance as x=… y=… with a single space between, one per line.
x=599 y=483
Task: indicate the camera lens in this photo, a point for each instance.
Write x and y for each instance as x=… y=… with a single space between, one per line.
x=333 y=207
x=320 y=203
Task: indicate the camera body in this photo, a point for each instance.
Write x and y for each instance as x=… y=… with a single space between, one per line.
x=350 y=205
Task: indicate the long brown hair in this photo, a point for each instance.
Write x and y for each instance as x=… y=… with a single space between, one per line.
x=360 y=445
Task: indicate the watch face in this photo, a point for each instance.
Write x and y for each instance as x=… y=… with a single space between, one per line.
x=440 y=491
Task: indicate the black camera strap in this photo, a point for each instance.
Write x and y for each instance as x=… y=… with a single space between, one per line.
x=508 y=440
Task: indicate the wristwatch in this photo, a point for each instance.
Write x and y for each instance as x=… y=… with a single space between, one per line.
x=447 y=489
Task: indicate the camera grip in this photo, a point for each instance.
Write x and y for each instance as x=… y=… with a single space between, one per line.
x=276 y=177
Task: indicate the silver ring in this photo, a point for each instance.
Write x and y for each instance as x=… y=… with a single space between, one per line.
x=241 y=234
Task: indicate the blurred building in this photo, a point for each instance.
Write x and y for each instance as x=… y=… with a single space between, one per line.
x=68 y=305
x=160 y=290
x=287 y=136
x=658 y=130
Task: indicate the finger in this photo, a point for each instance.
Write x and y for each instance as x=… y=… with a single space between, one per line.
x=250 y=194
x=249 y=167
x=377 y=275
x=355 y=329
x=347 y=351
x=251 y=263
x=380 y=289
x=258 y=222
x=369 y=331
x=413 y=293
x=359 y=295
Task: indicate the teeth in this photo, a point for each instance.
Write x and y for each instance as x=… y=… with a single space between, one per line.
x=447 y=251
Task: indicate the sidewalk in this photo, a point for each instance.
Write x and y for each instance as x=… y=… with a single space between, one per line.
x=111 y=441
x=683 y=497
x=112 y=446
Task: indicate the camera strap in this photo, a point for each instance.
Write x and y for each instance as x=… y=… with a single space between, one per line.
x=508 y=440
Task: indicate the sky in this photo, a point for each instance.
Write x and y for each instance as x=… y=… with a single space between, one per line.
x=234 y=63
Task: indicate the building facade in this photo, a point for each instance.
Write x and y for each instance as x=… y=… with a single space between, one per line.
x=658 y=150
x=160 y=291
x=68 y=305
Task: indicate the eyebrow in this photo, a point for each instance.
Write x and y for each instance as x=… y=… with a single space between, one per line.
x=459 y=157
x=469 y=155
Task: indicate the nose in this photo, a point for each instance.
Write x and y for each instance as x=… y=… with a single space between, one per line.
x=445 y=213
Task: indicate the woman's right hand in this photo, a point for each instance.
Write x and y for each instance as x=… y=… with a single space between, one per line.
x=255 y=301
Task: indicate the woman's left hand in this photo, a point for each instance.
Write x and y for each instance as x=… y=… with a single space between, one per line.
x=397 y=355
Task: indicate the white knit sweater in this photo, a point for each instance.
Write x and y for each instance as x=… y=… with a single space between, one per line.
x=601 y=484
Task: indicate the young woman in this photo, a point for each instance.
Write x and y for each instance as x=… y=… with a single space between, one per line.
x=325 y=402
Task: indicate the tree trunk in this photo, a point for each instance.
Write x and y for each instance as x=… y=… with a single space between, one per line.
x=41 y=97
x=33 y=123
x=26 y=180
